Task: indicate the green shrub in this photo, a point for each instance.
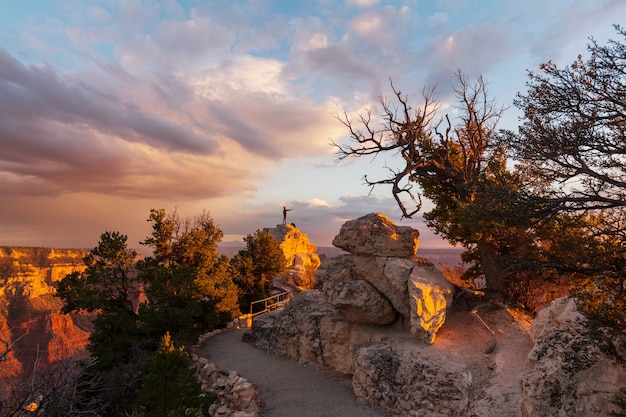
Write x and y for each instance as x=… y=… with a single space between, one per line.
x=169 y=386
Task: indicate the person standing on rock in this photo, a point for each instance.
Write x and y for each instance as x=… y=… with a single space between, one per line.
x=285 y=210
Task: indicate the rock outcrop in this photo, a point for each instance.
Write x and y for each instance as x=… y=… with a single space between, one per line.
x=390 y=369
x=568 y=373
x=341 y=324
x=308 y=330
x=356 y=298
x=430 y=295
x=409 y=383
x=33 y=271
x=302 y=261
x=381 y=278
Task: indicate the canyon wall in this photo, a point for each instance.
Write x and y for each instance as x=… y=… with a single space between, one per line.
x=33 y=332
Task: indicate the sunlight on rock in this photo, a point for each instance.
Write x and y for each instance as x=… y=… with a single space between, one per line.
x=430 y=295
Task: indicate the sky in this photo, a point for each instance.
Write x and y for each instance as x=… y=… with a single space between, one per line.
x=111 y=108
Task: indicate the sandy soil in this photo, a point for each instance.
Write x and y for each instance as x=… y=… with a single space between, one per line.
x=497 y=387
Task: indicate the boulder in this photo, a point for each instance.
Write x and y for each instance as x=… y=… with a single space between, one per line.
x=375 y=234
x=412 y=286
x=407 y=383
x=567 y=373
x=357 y=299
x=380 y=282
x=390 y=277
x=430 y=295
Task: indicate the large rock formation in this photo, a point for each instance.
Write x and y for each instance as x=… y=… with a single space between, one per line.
x=568 y=371
x=340 y=324
x=308 y=330
x=302 y=261
x=381 y=278
x=390 y=369
x=354 y=296
x=357 y=321
x=410 y=383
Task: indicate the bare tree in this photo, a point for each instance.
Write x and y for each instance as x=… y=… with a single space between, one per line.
x=455 y=163
x=64 y=388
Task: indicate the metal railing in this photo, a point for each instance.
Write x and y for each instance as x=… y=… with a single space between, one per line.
x=270 y=303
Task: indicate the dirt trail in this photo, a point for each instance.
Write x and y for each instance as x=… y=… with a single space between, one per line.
x=286 y=389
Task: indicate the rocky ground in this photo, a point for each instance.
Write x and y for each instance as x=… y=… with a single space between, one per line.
x=413 y=346
x=493 y=378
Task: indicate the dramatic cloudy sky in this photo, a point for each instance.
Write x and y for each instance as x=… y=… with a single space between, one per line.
x=110 y=108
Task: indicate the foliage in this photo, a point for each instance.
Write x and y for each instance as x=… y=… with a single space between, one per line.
x=109 y=286
x=177 y=241
x=182 y=290
x=108 y=281
x=186 y=280
x=173 y=303
x=255 y=265
x=168 y=384
x=603 y=299
x=573 y=133
x=573 y=141
x=219 y=294
x=457 y=165
x=602 y=296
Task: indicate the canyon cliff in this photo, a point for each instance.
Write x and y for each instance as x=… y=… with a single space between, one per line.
x=33 y=332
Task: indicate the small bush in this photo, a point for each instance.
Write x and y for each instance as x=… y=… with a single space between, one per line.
x=169 y=386
x=603 y=299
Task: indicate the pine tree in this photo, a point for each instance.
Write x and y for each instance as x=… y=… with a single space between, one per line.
x=168 y=383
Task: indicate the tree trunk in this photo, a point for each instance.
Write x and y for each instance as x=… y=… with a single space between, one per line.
x=489 y=261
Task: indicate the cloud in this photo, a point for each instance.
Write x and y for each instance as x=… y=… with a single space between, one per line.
x=358 y=54
x=316 y=202
x=109 y=110
x=39 y=94
x=75 y=221
x=159 y=135
x=250 y=100
x=363 y=3
x=60 y=134
x=473 y=49
x=190 y=39
x=570 y=25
